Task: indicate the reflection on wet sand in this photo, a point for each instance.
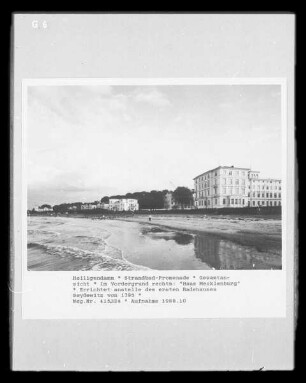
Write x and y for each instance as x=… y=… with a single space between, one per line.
x=219 y=253
x=226 y=255
x=78 y=244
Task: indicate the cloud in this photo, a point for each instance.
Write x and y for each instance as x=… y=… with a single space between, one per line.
x=152 y=96
x=68 y=102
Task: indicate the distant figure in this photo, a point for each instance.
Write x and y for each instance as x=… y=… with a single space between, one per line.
x=150 y=218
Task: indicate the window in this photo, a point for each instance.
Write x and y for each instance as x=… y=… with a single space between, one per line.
x=243 y=202
x=253 y=194
x=208 y=202
x=232 y=201
x=224 y=201
x=216 y=174
x=224 y=181
x=239 y=201
x=263 y=195
x=253 y=203
x=270 y=195
x=258 y=195
x=279 y=195
x=243 y=182
x=275 y=195
x=279 y=203
x=267 y=195
x=231 y=181
x=263 y=203
x=236 y=182
x=216 y=201
x=230 y=173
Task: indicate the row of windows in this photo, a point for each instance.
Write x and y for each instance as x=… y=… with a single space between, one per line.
x=238 y=191
x=224 y=172
x=230 y=181
x=225 y=191
x=267 y=181
x=234 y=172
x=237 y=182
x=233 y=201
x=263 y=187
x=241 y=201
x=266 y=203
x=266 y=195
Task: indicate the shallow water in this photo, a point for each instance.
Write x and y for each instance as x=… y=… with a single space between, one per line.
x=58 y=243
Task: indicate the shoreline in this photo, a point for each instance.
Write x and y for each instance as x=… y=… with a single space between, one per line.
x=262 y=240
x=265 y=235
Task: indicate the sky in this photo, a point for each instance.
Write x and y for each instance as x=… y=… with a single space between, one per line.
x=86 y=142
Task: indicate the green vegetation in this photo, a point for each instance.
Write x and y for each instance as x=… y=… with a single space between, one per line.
x=183 y=196
x=146 y=200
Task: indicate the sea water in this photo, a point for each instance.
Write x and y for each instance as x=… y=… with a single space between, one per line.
x=64 y=243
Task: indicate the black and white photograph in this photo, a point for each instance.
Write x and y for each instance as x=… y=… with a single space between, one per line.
x=154 y=192
x=154 y=176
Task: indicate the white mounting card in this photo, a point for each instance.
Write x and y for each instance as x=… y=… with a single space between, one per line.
x=153 y=201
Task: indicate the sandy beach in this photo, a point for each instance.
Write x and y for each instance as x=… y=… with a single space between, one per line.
x=262 y=233
x=167 y=242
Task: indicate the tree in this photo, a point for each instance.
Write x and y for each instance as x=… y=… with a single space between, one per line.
x=45 y=206
x=183 y=196
x=105 y=199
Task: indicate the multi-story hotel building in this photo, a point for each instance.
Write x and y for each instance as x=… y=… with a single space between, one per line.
x=123 y=204
x=228 y=186
x=265 y=191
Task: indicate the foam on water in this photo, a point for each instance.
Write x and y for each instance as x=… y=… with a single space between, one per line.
x=71 y=244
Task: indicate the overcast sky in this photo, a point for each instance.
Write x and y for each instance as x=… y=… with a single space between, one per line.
x=84 y=142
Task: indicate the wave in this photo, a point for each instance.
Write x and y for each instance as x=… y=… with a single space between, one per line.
x=96 y=260
x=41 y=231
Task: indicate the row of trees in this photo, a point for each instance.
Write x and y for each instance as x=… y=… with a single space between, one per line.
x=155 y=199
x=63 y=207
x=147 y=200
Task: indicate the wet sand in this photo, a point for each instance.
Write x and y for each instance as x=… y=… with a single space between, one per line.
x=167 y=242
x=261 y=233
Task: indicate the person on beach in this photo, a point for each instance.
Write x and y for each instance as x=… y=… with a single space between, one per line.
x=150 y=218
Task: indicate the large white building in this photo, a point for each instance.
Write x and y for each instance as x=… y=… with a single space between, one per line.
x=41 y=209
x=123 y=204
x=228 y=186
